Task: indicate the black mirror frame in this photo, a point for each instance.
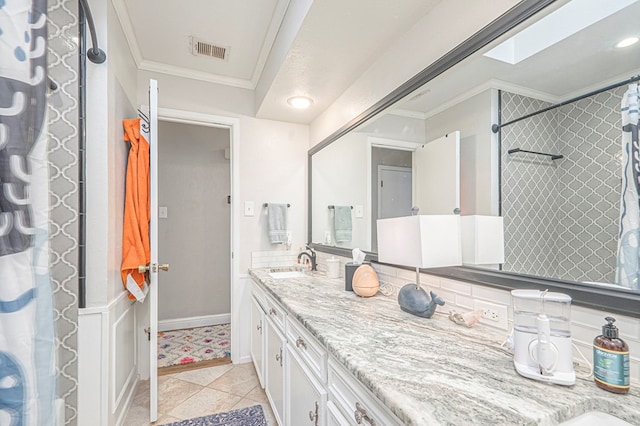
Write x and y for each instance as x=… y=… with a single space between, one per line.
x=620 y=301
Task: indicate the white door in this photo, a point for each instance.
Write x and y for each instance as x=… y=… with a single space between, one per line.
x=154 y=268
x=394 y=191
x=436 y=175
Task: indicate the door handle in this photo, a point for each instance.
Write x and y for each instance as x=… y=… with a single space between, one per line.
x=153 y=267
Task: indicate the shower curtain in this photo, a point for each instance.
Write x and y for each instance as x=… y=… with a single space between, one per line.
x=27 y=370
x=628 y=265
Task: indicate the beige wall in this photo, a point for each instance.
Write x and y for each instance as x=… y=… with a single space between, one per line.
x=194 y=239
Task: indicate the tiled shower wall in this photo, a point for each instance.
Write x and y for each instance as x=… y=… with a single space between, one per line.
x=561 y=216
x=529 y=188
x=64 y=196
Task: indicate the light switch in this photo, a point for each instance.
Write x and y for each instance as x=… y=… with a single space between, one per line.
x=162 y=212
x=248 y=208
x=359 y=211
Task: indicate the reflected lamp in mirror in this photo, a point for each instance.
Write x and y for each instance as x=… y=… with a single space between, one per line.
x=424 y=241
x=482 y=240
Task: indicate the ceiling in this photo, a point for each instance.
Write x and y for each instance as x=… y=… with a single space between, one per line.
x=585 y=61
x=279 y=48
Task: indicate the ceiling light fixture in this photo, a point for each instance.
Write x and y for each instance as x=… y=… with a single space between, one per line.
x=627 y=42
x=300 y=102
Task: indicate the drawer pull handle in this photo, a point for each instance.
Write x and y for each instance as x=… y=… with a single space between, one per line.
x=361 y=415
x=314 y=416
x=272 y=311
x=279 y=357
x=301 y=343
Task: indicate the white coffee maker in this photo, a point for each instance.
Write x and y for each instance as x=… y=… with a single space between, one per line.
x=542 y=336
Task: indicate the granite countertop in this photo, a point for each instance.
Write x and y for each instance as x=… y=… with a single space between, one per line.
x=432 y=371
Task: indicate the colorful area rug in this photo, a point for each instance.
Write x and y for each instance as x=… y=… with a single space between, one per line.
x=250 y=416
x=180 y=347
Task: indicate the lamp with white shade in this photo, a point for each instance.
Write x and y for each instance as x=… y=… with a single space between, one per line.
x=423 y=241
x=482 y=240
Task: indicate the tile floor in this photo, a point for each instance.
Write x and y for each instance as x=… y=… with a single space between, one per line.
x=200 y=392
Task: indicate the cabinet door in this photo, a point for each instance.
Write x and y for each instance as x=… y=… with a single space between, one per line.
x=306 y=399
x=335 y=417
x=257 y=339
x=274 y=364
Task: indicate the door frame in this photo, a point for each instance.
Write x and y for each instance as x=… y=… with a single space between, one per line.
x=378 y=142
x=233 y=124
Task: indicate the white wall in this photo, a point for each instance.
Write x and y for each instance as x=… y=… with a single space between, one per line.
x=111 y=89
x=449 y=24
x=195 y=237
x=272 y=155
x=107 y=363
x=340 y=178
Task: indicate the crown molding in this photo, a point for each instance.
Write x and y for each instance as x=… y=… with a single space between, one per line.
x=408 y=113
x=195 y=75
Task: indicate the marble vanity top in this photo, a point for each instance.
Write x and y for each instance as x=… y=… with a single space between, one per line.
x=432 y=371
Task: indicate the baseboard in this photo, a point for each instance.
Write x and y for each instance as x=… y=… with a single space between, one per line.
x=191 y=322
x=244 y=360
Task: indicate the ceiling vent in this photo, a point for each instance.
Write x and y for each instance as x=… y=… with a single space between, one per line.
x=203 y=48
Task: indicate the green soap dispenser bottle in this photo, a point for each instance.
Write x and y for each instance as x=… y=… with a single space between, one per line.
x=611 y=359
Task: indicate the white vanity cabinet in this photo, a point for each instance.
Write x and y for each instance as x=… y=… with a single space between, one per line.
x=275 y=354
x=307 y=398
x=257 y=338
x=357 y=405
x=303 y=386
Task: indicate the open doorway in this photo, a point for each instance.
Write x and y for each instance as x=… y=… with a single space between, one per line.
x=194 y=232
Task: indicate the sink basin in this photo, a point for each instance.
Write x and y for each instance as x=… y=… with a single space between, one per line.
x=287 y=274
x=595 y=418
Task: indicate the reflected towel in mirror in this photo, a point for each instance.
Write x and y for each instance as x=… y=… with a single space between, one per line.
x=342 y=223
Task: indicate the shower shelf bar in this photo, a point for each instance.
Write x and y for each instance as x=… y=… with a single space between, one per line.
x=496 y=127
x=267 y=205
x=333 y=207
x=553 y=156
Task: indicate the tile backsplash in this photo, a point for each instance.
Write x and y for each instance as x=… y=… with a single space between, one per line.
x=463 y=297
x=274 y=258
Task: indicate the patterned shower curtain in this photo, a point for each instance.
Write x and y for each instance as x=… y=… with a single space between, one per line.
x=628 y=267
x=27 y=370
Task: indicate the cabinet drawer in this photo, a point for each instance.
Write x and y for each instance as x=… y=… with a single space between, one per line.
x=275 y=312
x=305 y=345
x=259 y=294
x=357 y=404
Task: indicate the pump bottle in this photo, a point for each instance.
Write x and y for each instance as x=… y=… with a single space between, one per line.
x=611 y=359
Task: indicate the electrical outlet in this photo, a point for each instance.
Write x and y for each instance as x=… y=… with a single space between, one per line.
x=492 y=314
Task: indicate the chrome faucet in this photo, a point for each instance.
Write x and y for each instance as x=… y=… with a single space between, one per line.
x=311 y=254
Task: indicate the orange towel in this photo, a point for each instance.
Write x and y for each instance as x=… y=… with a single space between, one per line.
x=135 y=234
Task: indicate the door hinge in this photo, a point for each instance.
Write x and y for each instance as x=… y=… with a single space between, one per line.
x=381 y=184
x=148 y=331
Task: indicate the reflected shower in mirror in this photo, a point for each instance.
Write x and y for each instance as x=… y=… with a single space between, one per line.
x=561 y=211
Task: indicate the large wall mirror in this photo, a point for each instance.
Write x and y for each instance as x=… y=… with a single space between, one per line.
x=555 y=173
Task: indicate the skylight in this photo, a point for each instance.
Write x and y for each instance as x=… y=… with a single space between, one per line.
x=555 y=27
